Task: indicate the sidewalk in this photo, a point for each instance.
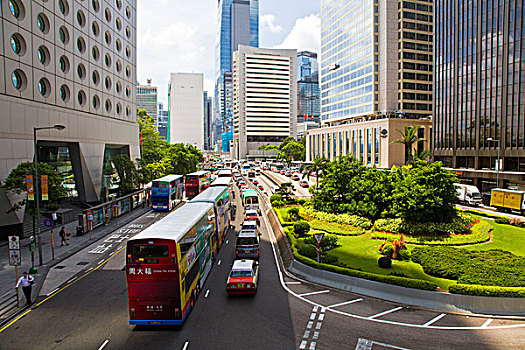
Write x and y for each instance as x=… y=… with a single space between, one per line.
x=7 y=273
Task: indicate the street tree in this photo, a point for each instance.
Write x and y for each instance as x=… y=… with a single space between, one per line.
x=292 y=151
x=409 y=138
x=128 y=178
x=317 y=167
x=286 y=190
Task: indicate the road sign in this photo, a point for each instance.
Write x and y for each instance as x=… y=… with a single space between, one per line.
x=318 y=238
x=15 y=259
x=14 y=242
x=47 y=222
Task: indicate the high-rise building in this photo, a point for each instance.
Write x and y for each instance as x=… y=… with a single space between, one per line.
x=264 y=98
x=479 y=118
x=207 y=121
x=238 y=24
x=186 y=109
x=70 y=63
x=376 y=64
x=147 y=99
x=309 y=93
x=162 y=122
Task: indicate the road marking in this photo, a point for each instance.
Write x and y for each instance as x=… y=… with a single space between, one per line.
x=71 y=280
x=303 y=345
x=318 y=325
x=321 y=317
x=16 y=319
x=89 y=269
x=309 y=325
x=219 y=263
x=435 y=319
x=316 y=335
x=292 y=282
x=312 y=345
x=54 y=290
x=346 y=303
x=306 y=334
x=313 y=293
x=487 y=322
x=226 y=241
x=385 y=312
x=312 y=315
x=100 y=262
x=185 y=345
x=366 y=344
x=103 y=344
x=207 y=292
x=315 y=308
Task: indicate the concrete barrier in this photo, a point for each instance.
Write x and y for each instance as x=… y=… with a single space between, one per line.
x=410 y=296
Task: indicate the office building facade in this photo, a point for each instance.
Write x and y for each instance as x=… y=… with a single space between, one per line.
x=480 y=91
x=147 y=99
x=207 y=120
x=265 y=98
x=72 y=63
x=376 y=63
x=309 y=93
x=162 y=122
x=186 y=109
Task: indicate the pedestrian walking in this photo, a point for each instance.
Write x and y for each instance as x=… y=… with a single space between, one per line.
x=27 y=282
x=62 y=235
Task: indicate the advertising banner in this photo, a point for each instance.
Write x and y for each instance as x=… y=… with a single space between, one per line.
x=45 y=193
x=30 y=188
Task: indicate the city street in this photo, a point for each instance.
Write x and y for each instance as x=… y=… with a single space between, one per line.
x=92 y=313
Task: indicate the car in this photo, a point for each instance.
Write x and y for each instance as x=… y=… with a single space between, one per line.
x=249 y=225
x=282 y=172
x=304 y=183
x=247 y=244
x=288 y=174
x=251 y=215
x=255 y=182
x=260 y=187
x=276 y=189
x=243 y=277
x=296 y=176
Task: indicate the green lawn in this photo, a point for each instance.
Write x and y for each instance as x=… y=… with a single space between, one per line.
x=505 y=237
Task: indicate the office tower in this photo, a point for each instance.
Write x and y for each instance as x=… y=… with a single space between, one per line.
x=479 y=85
x=207 y=121
x=309 y=93
x=376 y=77
x=72 y=63
x=147 y=99
x=162 y=122
x=186 y=109
x=264 y=98
x=238 y=24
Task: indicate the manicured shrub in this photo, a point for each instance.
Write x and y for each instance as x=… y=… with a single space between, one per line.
x=387 y=250
x=487 y=291
x=309 y=251
x=277 y=204
x=388 y=225
x=404 y=254
x=384 y=262
x=301 y=228
x=301 y=201
x=282 y=220
x=330 y=260
x=353 y=220
x=504 y=221
x=329 y=242
x=293 y=214
x=276 y=197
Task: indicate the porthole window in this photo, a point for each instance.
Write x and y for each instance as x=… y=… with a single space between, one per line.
x=95 y=28
x=107 y=82
x=128 y=111
x=81 y=71
x=119 y=4
x=81 y=45
x=17 y=9
x=128 y=12
x=42 y=23
x=107 y=14
x=107 y=37
x=118 y=22
x=19 y=80
x=43 y=55
x=96 y=102
x=63 y=35
x=128 y=91
x=81 y=98
x=118 y=87
x=96 y=5
x=119 y=108
x=64 y=64
x=107 y=60
x=81 y=18
x=108 y=105
x=18 y=44
x=128 y=72
x=64 y=93
x=64 y=7
x=118 y=45
x=118 y=66
x=128 y=32
x=96 y=77
x=95 y=52
x=128 y=52
x=44 y=87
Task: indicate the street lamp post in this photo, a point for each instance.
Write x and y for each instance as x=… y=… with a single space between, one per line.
x=35 y=182
x=490 y=139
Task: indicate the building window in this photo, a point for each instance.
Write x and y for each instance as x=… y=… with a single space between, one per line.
x=361 y=145
x=43 y=55
x=43 y=23
x=323 y=145
x=81 y=71
x=81 y=19
x=354 y=140
x=63 y=34
x=376 y=150
x=19 y=80
x=17 y=9
x=64 y=7
x=341 y=143
x=95 y=28
x=369 y=146
x=329 y=143
x=64 y=93
x=347 y=142
x=18 y=44
x=64 y=64
x=81 y=98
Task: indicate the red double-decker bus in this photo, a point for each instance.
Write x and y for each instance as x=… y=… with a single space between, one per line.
x=167 y=265
x=197 y=182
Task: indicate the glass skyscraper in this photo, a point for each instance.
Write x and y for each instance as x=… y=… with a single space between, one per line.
x=480 y=90
x=309 y=93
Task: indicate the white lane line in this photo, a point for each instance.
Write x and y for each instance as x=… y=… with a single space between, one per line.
x=71 y=280
x=315 y=308
x=318 y=325
x=487 y=322
x=103 y=344
x=54 y=290
x=89 y=269
x=185 y=345
x=385 y=312
x=292 y=282
x=321 y=317
x=101 y=261
x=207 y=292
x=219 y=263
x=303 y=345
x=313 y=293
x=309 y=325
x=312 y=345
x=306 y=334
x=366 y=344
x=316 y=335
x=323 y=309
x=312 y=315
x=346 y=303
x=435 y=319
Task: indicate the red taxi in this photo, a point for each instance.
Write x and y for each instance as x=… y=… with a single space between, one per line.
x=243 y=277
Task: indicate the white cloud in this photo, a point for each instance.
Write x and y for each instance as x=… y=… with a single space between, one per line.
x=305 y=35
x=268 y=22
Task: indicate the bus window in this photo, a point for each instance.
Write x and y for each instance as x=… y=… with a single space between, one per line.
x=186 y=242
x=149 y=254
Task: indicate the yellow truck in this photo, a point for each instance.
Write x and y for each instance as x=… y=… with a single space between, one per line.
x=505 y=200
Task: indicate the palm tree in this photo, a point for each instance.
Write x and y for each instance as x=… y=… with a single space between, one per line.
x=319 y=164
x=409 y=138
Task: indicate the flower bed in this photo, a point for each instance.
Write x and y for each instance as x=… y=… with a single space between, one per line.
x=335 y=228
x=346 y=219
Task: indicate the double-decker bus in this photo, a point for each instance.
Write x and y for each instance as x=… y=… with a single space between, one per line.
x=197 y=182
x=167 y=264
x=220 y=197
x=251 y=200
x=167 y=192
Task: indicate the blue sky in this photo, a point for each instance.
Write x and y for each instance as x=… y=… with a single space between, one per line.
x=179 y=35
